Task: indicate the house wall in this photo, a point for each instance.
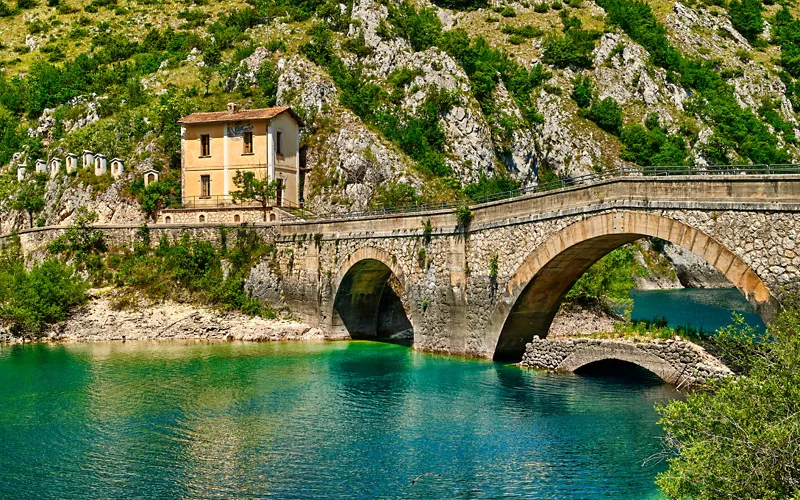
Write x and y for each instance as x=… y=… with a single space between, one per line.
x=227 y=157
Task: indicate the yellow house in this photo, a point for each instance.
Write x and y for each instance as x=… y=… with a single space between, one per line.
x=214 y=146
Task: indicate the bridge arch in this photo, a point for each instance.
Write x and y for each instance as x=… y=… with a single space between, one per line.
x=534 y=293
x=369 y=291
x=621 y=352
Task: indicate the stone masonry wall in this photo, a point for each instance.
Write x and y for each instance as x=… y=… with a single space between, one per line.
x=678 y=362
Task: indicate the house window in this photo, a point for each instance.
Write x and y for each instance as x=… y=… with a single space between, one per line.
x=205 y=186
x=279 y=142
x=168 y=219
x=279 y=192
x=236 y=218
x=248 y=143
x=205 y=145
x=202 y=218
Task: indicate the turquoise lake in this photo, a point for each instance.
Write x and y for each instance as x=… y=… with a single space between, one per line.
x=318 y=420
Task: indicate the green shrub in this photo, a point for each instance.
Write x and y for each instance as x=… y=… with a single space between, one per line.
x=463 y=217
x=574 y=48
x=608 y=281
x=527 y=31
x=516 y=40
x=607 y=114
x=32 y=300
x=737 y=439
x=508 y=12
x=487 y=186
x=26 y=4
x=746 y=18
x=541 y=7
x=395 y=194
x=556 y=5
x=738 y=134
x=583 y=91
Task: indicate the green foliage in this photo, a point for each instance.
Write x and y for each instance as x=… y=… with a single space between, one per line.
x=494 y=265
x=82 y=244
x=250 y=187
x=738 y=134
x=572 y=49
x=156 y=196
x=607 y=114
x=421 y=28
x=462 y=4
x=486 y=186
x=463 y=217
x=541 y=7
x=31 y=300
x=30 y=196
x=80 y=240
x=422 y=257
x=583 y=91
x=427 y=231
x=746 y=18
x=652 y=145
x=739 y=439
x=192 y=270
x=526 y=31
x=610 y=279
x=395 y=194
x=267 y=78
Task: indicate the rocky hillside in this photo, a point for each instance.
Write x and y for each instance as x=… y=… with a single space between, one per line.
x=404 y=101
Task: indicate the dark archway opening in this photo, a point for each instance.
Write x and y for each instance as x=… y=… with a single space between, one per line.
x=369 y=306
x=615 y=370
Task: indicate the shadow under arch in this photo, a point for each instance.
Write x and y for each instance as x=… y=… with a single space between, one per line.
x=368 y=301
x=534 y=293
x=619 y=371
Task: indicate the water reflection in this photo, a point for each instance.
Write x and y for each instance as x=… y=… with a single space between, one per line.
x=354 y=419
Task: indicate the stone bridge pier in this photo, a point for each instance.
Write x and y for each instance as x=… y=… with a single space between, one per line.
x=488 y=289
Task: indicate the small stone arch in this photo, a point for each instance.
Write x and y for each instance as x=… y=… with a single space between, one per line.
x=237 y=218
x=168 y=220
x=202 y=218
x=532 y=296
x=363 y=288
x=628 y=353
x=272 y=217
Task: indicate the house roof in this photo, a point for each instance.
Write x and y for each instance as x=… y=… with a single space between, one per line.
x=240 y=115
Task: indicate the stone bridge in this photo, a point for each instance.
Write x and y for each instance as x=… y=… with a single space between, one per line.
x=487 y=289
x=676 y=362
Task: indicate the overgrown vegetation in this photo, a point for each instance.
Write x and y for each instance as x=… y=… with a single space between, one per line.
x=739 y=136
x=188 y=269
x=607 y=283
x=739 y=439
x=30 y=300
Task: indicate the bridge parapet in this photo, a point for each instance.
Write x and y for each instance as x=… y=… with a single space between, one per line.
x=678 y=362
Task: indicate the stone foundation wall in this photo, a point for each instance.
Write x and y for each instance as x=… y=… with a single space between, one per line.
x=678 y=362
x=216 y=215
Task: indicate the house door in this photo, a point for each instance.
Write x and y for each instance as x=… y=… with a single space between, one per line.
x=279 y=193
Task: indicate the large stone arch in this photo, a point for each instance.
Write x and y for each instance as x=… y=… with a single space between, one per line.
x=534 y=293
x=364 y=289
x=621 y=352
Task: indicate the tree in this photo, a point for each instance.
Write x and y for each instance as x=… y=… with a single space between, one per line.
x=206 y=74
x=30 y=197
x=156 y=196
x=251 y=188
x=741 y=438
x=746 y=18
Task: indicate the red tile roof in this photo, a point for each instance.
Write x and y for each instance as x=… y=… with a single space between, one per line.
x=244 y=114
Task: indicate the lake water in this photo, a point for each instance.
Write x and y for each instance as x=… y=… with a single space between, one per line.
x=302 y=420
x=708 y=309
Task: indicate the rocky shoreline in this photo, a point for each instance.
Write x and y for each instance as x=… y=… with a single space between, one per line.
x=98 y=321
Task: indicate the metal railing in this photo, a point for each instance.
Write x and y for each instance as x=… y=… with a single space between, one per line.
x=556 y=185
